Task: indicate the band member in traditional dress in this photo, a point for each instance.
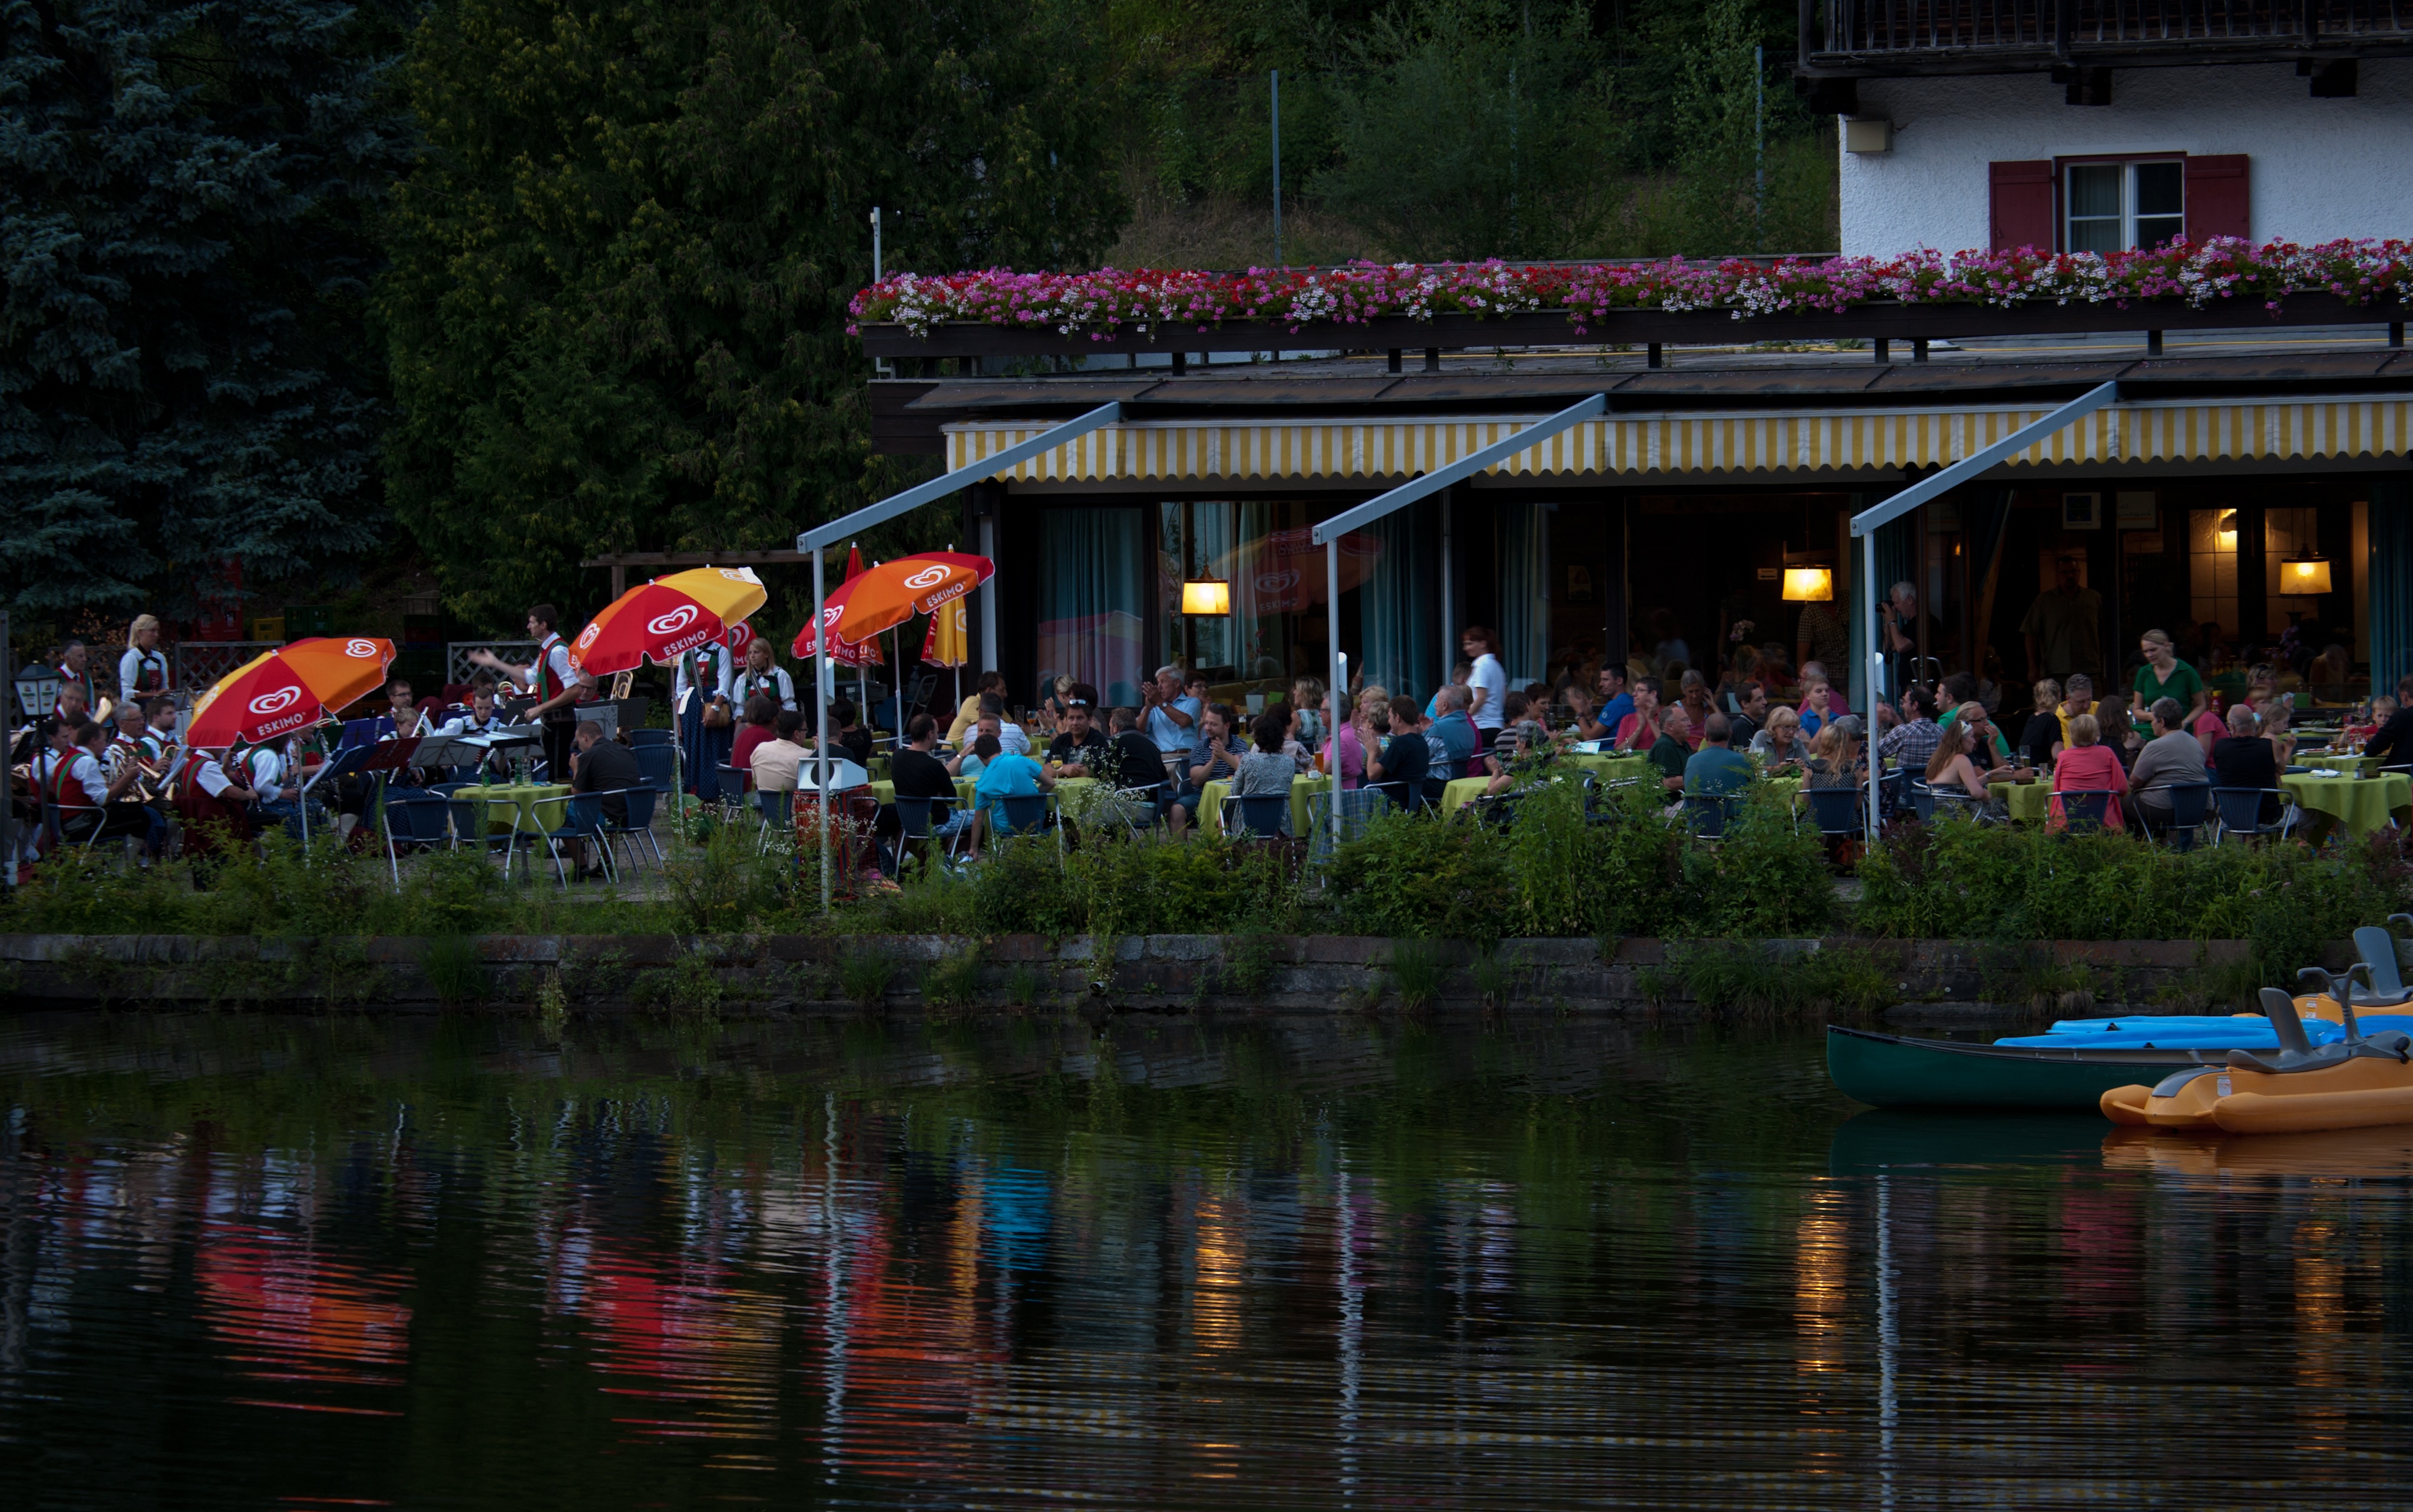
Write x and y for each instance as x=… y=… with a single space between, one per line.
x=700 y=692
x=558 y=687
x=142 y=670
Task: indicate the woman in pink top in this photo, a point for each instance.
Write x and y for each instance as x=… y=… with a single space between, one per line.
x=2086 y=766
x=2210 y=727
x=1344 y=740
x=1639 y=731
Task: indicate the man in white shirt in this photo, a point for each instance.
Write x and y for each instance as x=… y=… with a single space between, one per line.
x=270 y=768
x=1486 y=682
x=482 y=720
x=159 y=742
x=1171 y=718
x=79 y=788
x=559 y=687
x=774 y=761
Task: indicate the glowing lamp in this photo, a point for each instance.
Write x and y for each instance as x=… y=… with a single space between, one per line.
x=2304 y=575
x=1809 y=585
x=2225 y=531
x=1207 y=596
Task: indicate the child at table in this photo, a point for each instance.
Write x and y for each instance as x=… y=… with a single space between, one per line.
x=2367 y=718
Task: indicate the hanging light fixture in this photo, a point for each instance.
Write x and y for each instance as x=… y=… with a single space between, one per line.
x=1809 y=585
x=2225 y=532
x=1207 y=596
x=2305 y=572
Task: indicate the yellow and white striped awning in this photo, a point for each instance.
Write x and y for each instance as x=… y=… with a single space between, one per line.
x=1706 y=443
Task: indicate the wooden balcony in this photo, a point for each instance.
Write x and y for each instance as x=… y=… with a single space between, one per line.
x=1844 y=39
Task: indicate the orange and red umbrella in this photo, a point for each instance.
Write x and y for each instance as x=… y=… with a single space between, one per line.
x=892 y=593
x=843 y=654
x=291 y=688
x=662 y=620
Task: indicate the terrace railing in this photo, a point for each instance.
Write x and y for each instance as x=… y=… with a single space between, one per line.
x=199 y=663
x=2064 y=28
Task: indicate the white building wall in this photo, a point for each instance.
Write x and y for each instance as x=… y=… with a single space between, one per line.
x=2321 y=169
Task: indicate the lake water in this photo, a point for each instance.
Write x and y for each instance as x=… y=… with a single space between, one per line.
x=1017 y=1263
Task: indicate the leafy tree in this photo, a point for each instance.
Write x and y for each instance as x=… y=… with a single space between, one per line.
x=618 y=305
x=1474 y=130
x=185 y=201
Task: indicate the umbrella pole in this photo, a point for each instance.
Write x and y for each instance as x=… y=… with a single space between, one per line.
x=895 y=651
x=820 y=719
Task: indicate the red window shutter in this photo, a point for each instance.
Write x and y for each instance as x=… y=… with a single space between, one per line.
x=2218 y=198
x=2020 y=197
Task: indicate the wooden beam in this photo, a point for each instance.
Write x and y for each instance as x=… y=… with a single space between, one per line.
x=622 y=560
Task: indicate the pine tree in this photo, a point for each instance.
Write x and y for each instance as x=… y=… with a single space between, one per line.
x=186 y=193
x=618 y=303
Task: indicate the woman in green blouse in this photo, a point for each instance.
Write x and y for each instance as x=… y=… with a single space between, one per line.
x=2164 y=675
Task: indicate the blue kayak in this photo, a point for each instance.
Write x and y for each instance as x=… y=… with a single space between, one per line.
x=2189 y=1032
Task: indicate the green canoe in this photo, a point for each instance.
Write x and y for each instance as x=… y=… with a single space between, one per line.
x=1892 y=1071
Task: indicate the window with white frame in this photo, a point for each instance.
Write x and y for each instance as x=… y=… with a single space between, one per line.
x=2120 y=207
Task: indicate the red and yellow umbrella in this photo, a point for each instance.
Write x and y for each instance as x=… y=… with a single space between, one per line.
x=892 y=593
x=662 y=620
x=291 y=688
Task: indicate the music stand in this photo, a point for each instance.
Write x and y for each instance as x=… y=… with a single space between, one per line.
x=342 y=763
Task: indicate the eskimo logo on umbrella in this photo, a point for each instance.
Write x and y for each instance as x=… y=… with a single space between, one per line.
x=674 y=622
x=928 y=577
x=360 y=648
x=587 y=636
x=276 y=701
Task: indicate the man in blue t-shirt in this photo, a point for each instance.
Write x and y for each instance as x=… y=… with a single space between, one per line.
x=1452 y=735
x=1008 y=775
x=1714 y=770
x=1615 y=702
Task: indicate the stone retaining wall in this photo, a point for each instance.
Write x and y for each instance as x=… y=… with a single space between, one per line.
x=794 y=973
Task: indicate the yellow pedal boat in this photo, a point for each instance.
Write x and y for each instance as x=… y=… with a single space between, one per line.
x=2360 y=1082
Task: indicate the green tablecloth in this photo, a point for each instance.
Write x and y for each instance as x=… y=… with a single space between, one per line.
x=1212 y=796
x=538 y=806
x=1612 y=768
x=2361 y=805
x=886 y=790
x=2030 y=803
x=2340 y=763
x=1460 y=792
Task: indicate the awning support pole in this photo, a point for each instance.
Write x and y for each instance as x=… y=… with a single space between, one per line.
x=1337 y=703
x=821 y=717
x=1465 y=468
x=1866 y=524
x=1872 y=673
x=939 y=488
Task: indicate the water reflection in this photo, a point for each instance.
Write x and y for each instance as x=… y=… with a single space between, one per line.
x=1308 y=1263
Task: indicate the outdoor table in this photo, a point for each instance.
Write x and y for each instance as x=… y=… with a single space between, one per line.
x=2360 y=804
x=1460 y=792
x=2030 y=803
x=541 y=806
x=1786 y=788
x=1614 y=768
x=2340 y=763
x=885 y=791
x=1302 y=787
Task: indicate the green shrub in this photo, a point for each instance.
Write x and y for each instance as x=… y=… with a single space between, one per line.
x=952 y=980
x=1959 y=880
x=1021 y=887
x=1205 y=886
x=1250 y=962
x=863 y=972
x=726 y=885
x=1750 y=976
x=1414 y=878
x=1416 y=973
x=453 y=967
